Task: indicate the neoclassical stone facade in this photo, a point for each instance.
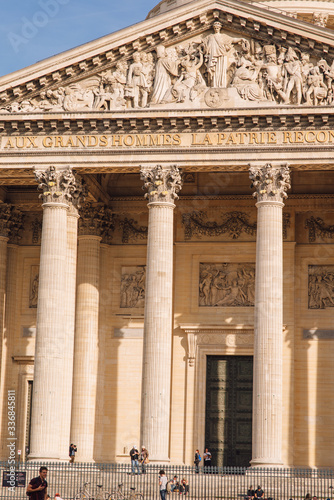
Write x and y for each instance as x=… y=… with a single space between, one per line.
x=166 y=240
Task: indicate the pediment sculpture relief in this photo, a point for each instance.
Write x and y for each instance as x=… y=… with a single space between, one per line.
x=214 y=69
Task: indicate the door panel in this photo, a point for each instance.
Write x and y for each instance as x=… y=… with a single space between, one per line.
x=228 y=416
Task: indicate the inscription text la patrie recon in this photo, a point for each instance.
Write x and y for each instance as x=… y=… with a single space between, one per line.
x=188 y=140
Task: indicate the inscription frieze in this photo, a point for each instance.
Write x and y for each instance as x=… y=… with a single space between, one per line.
x=124 y=141
x=320 y=287
x=226 y=285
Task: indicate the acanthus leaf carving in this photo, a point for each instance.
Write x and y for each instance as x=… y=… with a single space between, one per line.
x=162 y=183
x=60 y=186
x=270 y=182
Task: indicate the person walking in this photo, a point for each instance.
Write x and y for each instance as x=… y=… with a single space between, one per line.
x=197 y=461
x=163 y=484
x=134 y=455
x=37 y=488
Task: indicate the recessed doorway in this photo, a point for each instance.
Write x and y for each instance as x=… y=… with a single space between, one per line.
x=228 y=410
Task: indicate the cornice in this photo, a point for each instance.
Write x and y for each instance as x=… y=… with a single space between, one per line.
x=168 y=121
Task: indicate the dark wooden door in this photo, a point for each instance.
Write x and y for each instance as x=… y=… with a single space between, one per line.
x=228 y=412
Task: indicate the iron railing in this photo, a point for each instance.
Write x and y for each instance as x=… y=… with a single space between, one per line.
x=209 y=484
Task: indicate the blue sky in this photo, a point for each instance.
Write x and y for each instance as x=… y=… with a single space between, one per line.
x=32 y=30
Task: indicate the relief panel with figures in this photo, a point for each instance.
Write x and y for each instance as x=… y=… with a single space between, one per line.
x=213 y=69
x=320 y=287
x=226 y=285
x=133 y=287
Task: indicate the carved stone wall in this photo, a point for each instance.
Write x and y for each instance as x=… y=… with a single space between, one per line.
x=211 y=69
x=226 y=285
x=320 y=287
x=231 y=226
x=34 y=281
x=132 y=291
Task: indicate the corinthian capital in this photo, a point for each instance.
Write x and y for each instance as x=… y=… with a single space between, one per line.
x=60 y=186
x=10 y=222
x=96 y=221
x=162 y=183
x=271 y=182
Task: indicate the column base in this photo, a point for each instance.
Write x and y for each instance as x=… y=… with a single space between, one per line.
x=160 y=461
x=266 y=462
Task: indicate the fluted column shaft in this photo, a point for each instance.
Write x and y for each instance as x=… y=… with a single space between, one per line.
x=268 y=324
x=50 y=336
x=95 y=221
x=69 y=314
x=157 y=349
x=86 y=347
x=49 y=428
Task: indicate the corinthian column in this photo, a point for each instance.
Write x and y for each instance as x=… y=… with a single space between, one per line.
x=271 y=183
x=92 y=223
x=59 y=189
x=162 y=184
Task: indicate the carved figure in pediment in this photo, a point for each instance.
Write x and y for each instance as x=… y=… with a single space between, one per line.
x=273 y=74
x=246 y=80
x=191 y=82
x=80 y=95
x=216 y=47
x=166 y=68
x=292 y=73
x=110 y=94
x=317 y=90
x=148 y=69
x=136 y=90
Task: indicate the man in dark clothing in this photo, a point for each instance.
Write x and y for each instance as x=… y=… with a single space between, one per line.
x=37 y=488
x=134 y=454
x=72 y=452
x=259 y=493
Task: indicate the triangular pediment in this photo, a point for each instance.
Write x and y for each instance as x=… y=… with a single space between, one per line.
x=222 y=54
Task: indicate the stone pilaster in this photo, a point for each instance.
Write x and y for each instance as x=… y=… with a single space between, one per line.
x=92 y=225
x=162 y=185
x=271 y=183
x=59 y=188
x=8 y=262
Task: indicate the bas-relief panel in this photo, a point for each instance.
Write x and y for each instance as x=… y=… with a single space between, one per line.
x=224 y=225
x=315 y=228
x=320 y=287
x=130 y=229
x=226 y=285
x=34 y=282
x=132 y=293
x=213 y=69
